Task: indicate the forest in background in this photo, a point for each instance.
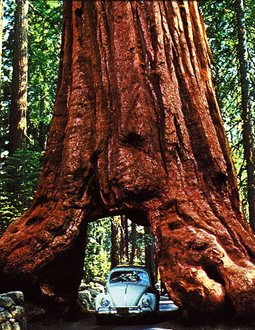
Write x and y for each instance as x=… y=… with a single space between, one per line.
x=36 y=39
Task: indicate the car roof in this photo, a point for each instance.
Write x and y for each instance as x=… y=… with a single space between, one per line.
x=123 y=268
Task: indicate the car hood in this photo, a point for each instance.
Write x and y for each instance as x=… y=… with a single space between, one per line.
x=126 y=294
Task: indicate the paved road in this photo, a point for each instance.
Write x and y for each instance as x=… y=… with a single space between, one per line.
x=154 y=321
x=166 y=318
x=166 y=305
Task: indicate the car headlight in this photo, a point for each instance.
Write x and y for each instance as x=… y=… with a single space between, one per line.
x=146 y=301
x=105 y=302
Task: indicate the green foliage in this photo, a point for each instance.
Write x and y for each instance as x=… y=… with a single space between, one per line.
x=44 y=39
x=43 y=61
x=221 y=24
x=142 y=241
x=18 y=180
x=6 y=72
x=97 y=261
x=19 y=173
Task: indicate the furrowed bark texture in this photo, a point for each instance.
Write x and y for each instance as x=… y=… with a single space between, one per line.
x=137 y=130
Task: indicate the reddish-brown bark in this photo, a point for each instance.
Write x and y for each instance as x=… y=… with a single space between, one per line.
x=18 y=108
x=137 y=130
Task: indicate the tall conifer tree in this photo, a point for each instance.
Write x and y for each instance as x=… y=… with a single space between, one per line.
x=18 y=109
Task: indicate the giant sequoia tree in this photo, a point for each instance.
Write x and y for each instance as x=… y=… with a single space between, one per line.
x=136 y=130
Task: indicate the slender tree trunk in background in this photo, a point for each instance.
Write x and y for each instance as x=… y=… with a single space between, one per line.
x=116 y=252
x=42 y=127
x=246 y=110
x=124 y=238
x=137 y=130
x=149 y=251
x=18 y=109
x=133 y=255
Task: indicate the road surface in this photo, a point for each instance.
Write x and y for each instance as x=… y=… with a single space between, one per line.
x=165 y=318
x=153 y=321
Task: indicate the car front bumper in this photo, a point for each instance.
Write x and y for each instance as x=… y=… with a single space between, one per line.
x=123 y=310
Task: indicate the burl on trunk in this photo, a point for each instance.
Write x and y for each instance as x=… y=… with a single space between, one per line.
x=137 y=130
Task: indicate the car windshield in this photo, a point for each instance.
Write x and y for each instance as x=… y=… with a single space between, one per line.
x=133 y=276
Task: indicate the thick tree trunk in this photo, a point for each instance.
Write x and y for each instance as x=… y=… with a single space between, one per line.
x=137 y=130
x=18 y=109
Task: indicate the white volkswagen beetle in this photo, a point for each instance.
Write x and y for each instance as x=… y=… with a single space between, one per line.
x=129 y=291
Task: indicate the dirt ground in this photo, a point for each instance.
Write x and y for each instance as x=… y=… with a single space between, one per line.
x=157 y=322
